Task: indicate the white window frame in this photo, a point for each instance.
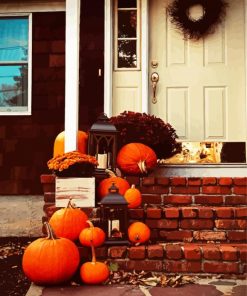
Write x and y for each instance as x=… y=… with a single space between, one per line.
x=137 y=38
x=22 y=110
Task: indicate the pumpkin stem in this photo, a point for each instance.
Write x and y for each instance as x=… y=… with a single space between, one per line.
x=110 y=173
x=50 y=232
x=142 y=166
x=92 y=246
x=133 y=186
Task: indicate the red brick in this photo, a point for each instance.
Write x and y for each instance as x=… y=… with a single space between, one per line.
x=47 y=178
x=139 y=265
x=154 y=189
x=216 y=190
x=41 y=47
x=162 y=181
x=49 y=197
x=205 y=213
x=243 y=254
x=173 y=252
x=181 y=235
x=196 y=224
x=101 y=252
x=133 y=180
x=136 y=213
x=240 y=190
x=230 y=224
x=225 y=181
x=171 y=212
x=151 y=198
x=154 y=235
x=155 y=251
x=189 y=212
x=219 y=267
x=178 y=181
x=194 y=181
x=240 y=212
x=179 y=266
x=192 y=252
x=137 y=252
x=236 y=200
x=147 y=181
x=178 y=199
x=209 y=235
x=153 y=213
x=240 y=181
x=58 y=46
x=185 y=190
x=209 y=200
x=237 y=235
x=162 y=223
x=228 y=253
x=224 y=212
x=211 y=252
x=49 y=210
x=117 y=252
x=57 y=60
x=209 y=181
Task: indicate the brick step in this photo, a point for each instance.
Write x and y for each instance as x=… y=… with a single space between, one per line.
x=174 y=258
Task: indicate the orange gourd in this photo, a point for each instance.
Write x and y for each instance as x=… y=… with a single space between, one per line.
x=133 y=197
x=136 y=158
x=104 y=185
x=68 y=222
x=94 y=272
x=138 y=233
x=92 y=235
x=50 y=260
x=58 y=148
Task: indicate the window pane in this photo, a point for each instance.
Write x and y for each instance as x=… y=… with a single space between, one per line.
x=127 y=54
x=127 y=23
x=13 y=86
x=13 y=39
x=126 y=3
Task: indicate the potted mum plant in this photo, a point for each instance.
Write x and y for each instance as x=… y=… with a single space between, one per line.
x=149 y=130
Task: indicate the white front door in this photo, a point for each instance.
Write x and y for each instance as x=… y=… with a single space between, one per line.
x=201 y=87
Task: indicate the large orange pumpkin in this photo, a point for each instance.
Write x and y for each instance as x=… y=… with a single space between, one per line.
x=136 y=158
x=58 y=148
x=92 y=236
x=94 y=272
x=68 y=222
x=133 y=197
x=138 y=232
x=50 y=260
x=104 y=185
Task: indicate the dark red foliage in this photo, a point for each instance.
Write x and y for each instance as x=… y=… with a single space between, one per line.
x=149 y=130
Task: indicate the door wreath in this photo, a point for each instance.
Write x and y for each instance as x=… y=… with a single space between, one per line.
x=213 y=13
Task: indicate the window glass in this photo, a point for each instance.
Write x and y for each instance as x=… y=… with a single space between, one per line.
x=127 y=54
x=13 y=39
x=126 y=3
x=127 y=24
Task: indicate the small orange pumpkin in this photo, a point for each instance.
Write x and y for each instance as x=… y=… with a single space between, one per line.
x=50 y=260
x=68 y=222
x=58 y=148
x=138 y=232
x=94 y=272
x=92 y=235
x=136 y=158
x=133 y=197
x=104 y=185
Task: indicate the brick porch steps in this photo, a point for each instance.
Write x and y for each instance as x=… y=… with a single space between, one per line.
x=174 y=258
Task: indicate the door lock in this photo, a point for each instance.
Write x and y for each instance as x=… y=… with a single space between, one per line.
x=154 y=80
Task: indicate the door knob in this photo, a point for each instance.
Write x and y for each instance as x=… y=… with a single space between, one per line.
x=154 y=80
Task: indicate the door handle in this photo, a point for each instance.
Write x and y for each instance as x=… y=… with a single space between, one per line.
x=154 y=80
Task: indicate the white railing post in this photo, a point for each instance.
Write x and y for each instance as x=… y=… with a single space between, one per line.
x=72 y=39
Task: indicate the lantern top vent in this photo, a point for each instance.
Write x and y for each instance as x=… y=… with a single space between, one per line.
x=114 y=198
x=103 y=124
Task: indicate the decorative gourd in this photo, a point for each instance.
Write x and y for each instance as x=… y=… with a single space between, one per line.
x=104 y=185
x=50 y=260
x=69 y=222
x=136 y=158
x=138 y=233
x=92 y=235
x=133 y=197
x=94 y=272
x=58 y=148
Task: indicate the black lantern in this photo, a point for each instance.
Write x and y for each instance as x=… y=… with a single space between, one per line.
x=114 y=217
x=102 y=143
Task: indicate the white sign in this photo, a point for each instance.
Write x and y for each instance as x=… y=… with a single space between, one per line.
x=80 y=190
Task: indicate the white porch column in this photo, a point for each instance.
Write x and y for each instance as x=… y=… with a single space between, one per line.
x=72 y=73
